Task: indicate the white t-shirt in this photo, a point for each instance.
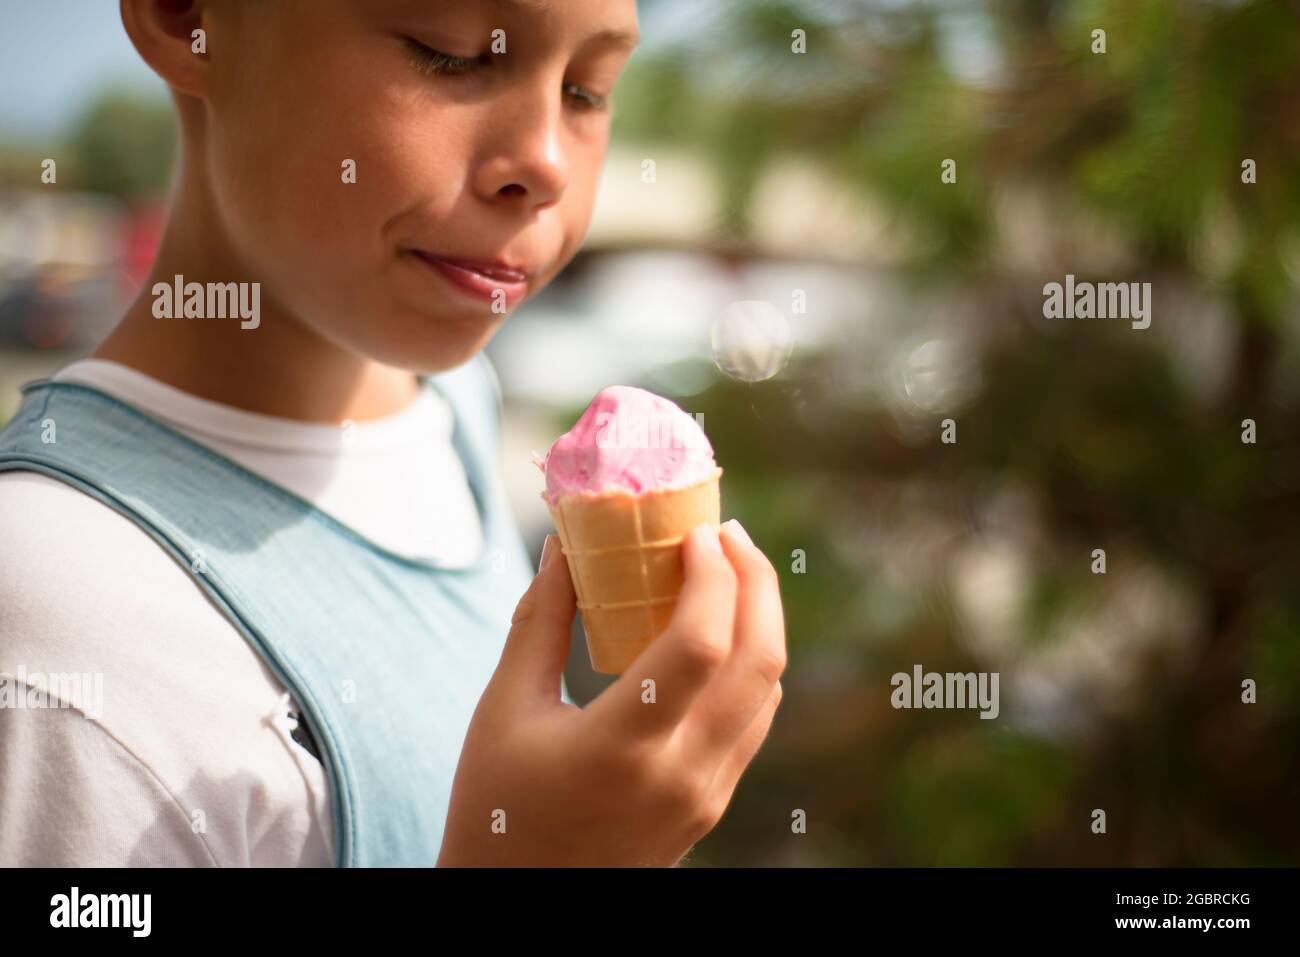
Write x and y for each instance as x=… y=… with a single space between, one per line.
x=196 y=763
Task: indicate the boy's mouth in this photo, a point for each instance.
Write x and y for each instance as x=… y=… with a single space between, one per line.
x=483 y=280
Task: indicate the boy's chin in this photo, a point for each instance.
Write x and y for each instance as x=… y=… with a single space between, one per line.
x=439 y=346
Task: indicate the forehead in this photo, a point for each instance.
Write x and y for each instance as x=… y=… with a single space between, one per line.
x=613 y=20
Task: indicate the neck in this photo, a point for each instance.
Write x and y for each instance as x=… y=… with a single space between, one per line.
x=282 y=367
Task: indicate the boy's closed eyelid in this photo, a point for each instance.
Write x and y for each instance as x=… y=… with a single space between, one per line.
x=457 y=49
x=435 y=62
x=428 y=59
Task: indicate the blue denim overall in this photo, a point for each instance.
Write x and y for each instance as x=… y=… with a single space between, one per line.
x=387 y=655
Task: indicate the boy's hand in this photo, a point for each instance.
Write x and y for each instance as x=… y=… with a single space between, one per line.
x=622 y=781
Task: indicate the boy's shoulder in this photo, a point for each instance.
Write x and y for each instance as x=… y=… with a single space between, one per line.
x=45 y=547
x=62 y=556
x=84 y=589
x=95 y=611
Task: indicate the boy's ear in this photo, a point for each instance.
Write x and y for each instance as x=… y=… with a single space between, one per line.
x=169 y=36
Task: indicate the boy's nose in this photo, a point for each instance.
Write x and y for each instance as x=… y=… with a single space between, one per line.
x=527 y=163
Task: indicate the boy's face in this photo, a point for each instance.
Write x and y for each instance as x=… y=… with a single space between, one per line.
x=475 y=170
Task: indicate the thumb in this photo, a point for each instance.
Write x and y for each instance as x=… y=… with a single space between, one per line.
x=538 y=644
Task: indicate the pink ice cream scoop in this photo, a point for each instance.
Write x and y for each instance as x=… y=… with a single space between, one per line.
x=629 y=440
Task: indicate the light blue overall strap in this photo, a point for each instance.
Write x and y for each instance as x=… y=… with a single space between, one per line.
x=388 y=656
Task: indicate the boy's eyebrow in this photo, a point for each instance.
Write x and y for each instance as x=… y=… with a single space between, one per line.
x=612 y=35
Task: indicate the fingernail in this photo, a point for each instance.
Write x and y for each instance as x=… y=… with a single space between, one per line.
x=737 y=531
x=549 y=549
x=709 y=537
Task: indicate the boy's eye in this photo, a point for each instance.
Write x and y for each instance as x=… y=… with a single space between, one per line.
x=429 y=60
x=435 y=62
x=584 y=98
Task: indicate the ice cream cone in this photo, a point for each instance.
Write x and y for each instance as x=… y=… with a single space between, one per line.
x=624 y=555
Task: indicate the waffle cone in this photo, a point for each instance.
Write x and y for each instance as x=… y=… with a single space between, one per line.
x=624 y=556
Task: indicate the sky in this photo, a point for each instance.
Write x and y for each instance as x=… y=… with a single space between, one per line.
x=53 y=55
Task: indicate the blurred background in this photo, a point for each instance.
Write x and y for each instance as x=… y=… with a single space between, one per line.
x=774 y=247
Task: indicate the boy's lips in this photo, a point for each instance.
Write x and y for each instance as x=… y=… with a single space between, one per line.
x=478 y=278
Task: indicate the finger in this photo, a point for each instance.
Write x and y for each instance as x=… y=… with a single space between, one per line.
x=538 y=644
x=757 y=659
x=733 y=767
x=689 y=652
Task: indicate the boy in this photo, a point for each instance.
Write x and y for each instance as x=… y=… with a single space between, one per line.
x=298 y=634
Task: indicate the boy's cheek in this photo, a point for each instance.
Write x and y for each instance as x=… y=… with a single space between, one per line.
x=580 y=203
x=329 y=181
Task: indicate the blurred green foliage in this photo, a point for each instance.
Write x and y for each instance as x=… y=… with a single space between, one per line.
x=1102 y=431
x=123 y=146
